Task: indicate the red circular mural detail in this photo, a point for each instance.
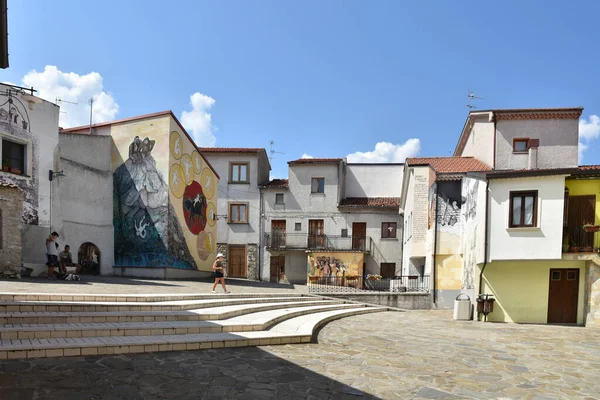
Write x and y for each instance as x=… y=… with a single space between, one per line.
x=194 y=208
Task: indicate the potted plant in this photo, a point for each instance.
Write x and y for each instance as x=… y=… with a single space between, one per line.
x=5 y=167
x=591 y=228
x=574 y=249
x=587 y=249
x=565 y=246
x=352 y=277
x=16 y=171
x=373 y=277
x=313 y=278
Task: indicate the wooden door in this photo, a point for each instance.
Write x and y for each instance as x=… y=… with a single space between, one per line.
x=581 y=211
x=278 y=233
x=388 y=270
x=359 y=235
x=316 y=233
x=277 y=269
x=563 y=296
x=236 y=261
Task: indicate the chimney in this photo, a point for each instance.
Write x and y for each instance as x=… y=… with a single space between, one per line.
x=532 y=146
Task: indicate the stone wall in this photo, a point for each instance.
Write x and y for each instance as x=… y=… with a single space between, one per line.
x=11 y=205
x=252 y=261
x=406 y=301
x=592 y=295
x=222 y=248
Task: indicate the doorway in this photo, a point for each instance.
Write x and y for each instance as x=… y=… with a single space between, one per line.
x=278 y=233
x=359 y=235
x=581 y=211
x=88 y=256
x=562 y=296
x=277 y=269
x=236 y=267
x=316 y=233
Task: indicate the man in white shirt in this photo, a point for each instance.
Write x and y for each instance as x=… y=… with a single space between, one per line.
x=52 y=254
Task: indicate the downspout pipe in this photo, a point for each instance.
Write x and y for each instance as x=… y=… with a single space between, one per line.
x=486 y=243
x=261 y=233
x=435 y=235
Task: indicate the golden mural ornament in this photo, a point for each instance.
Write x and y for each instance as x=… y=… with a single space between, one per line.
x=201 y=240
x=210 y=243
x=197 y=160
x=208 y=182
x=211 y=215
x=176 y=145
x=176 y=181
x=187 y=168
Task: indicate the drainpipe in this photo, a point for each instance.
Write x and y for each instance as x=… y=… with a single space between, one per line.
x=435 y=235
x=260 y=233
x=485 y=245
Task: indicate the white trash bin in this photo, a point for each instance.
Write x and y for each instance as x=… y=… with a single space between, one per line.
x=462 y=307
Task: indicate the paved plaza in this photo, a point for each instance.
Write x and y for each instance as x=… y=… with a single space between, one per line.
x=390 y=355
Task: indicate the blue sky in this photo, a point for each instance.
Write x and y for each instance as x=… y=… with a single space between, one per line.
x=322 y=78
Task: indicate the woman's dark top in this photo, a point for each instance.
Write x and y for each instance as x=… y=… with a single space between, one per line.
x=219 y=272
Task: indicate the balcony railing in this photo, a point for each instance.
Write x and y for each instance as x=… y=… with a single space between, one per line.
x=304 y=241
x=337 y=284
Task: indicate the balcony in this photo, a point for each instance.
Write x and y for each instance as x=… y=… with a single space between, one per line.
x=304 y=241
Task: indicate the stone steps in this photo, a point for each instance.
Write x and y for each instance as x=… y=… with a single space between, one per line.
x=253 y=322
x=45 y=325
x=209 y=313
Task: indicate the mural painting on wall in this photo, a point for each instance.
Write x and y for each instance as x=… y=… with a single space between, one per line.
x=470 y=190
x=193 y=185
x=15 y=127
x=449 y=203
x=327 y=265
x=431 y=208
x=143 y=217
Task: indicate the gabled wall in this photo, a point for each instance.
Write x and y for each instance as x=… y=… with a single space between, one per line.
x=480 y=143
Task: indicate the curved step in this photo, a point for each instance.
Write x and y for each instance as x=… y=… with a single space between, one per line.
x=209 y=313
x=295 y=330
x=132 y=298
x=253 y=322
x=176 y=305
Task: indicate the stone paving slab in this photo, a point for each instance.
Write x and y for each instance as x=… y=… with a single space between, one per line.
x=391 y=355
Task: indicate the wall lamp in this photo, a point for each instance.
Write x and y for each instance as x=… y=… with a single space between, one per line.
x=55 y=174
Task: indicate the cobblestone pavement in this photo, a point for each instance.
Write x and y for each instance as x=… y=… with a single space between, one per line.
x=392 y=355
x=108 y=285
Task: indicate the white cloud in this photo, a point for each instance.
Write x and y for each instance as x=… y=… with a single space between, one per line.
x=306 y=156
x=386 y=152
x=52 y=83
x=199 y=121
x=588 y=131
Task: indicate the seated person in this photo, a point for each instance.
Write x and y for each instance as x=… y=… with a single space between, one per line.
x=66 y=276
x=67 y=261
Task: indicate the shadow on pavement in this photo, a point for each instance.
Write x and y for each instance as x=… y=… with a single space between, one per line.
x=238 y=373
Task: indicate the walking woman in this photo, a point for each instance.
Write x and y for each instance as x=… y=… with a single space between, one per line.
x=219 y=273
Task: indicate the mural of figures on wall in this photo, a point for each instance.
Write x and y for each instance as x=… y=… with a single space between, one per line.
x=143 y=218
x=470 y=190
x=449 y=205
x=335 y=264
x=15 y=124
x=431 y=208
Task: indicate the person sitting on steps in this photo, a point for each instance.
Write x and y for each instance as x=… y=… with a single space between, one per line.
x=67 y=261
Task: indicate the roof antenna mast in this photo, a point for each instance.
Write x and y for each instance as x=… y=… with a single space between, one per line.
x=272 y=151
x=471 y=96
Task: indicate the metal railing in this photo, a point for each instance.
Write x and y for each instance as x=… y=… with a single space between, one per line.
x=337 y=284
x=305 y=241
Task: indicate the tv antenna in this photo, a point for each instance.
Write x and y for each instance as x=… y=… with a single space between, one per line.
x=91 y=108
x=472 y=97
x=272 y=151
x=59 y=100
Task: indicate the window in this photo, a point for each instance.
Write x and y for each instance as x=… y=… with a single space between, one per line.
x=279 y=198
x=317 y=185
x=298 y=227
x=520 y=145
x=556 y=275
x=388 y=270
x=238 y=213
x=13 y=156
x=523 y=209
x=238 y=173
x=388 y=230
x=571 y=275
x=344 y=232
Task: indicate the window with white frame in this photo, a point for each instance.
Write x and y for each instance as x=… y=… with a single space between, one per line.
x=14 y=157
x=317 y=185
x=279 y=199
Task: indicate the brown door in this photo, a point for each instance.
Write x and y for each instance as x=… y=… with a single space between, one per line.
x=563 y=295
x=316 y=233
x=581 y=211
x=236 y=263
x=388 y=270
x=278 y=233
x=277 y=269
x=359 y=235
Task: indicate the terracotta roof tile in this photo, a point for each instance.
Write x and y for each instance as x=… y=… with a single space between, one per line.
x=450 y=164
x=276 y=183
x=229 y=150
x=371 y=202
x=316 y=161
x=589 y=167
